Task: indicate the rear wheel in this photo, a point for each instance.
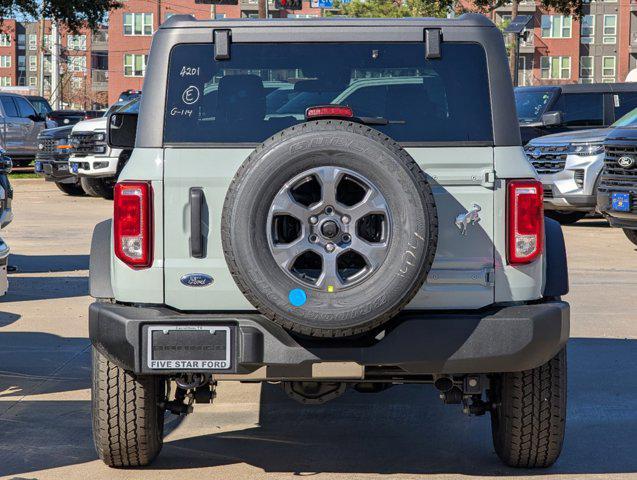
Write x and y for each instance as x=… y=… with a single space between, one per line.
x=73 y=189
x=631 y=234
x=565 y=218
x=530 y=413
x=128 y=423
x=98 y=187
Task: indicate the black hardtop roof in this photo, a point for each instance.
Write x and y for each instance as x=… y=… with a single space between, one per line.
x=583 y=88
x=466 y=20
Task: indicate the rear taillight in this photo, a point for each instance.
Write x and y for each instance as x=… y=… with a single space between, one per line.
x=525 y=228
x=132 y=224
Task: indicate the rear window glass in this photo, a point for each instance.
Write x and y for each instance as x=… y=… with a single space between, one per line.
x=265 y=88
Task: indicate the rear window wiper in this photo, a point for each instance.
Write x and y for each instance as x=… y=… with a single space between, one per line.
x=377 y=121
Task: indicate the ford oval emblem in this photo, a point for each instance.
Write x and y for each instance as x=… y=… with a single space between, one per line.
x=626 y=162
x=197 y=280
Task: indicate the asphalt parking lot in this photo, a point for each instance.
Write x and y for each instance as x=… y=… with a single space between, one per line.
x=254 y=432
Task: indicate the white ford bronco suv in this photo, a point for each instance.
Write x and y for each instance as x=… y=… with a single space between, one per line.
x=395 y=237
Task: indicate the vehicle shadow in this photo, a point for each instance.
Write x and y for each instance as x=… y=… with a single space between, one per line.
x=48 y=363
x=404 y=430
x=407 y=430
x=49 y=263
x=590 y=222
x=28 y=288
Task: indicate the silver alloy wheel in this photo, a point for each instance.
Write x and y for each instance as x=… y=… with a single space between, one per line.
x=329 y=228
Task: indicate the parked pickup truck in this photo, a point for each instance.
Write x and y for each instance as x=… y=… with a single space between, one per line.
x=95 y=163
x=617 y=191
x=20 y=126
x=52 y=160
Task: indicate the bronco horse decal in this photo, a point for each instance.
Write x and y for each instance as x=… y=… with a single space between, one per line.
x=471 y=217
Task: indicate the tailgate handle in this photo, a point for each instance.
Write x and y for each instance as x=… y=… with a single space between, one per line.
x=196 y=221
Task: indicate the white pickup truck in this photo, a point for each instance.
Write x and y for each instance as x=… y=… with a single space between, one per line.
x=97 y=164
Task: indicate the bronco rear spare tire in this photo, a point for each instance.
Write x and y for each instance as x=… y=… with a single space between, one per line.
x=329 y=228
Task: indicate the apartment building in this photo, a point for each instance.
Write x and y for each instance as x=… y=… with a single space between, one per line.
x=565 y=49
x=25 y=61
x=130 y=30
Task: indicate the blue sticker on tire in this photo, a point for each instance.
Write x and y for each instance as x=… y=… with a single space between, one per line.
x=297 y=297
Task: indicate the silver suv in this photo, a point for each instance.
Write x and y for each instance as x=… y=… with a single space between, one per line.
x=569 y=165
x=396 y=236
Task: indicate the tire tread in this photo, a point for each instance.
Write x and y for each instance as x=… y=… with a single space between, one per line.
x=127 y=426
x=408 y=162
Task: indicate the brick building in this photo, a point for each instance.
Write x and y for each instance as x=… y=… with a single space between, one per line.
x=564 y=49
x=25 y=61
x=131 y=27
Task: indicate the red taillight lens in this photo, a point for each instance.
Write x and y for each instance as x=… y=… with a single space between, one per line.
x=132 y=224
x=525 y=221
x=329 y=111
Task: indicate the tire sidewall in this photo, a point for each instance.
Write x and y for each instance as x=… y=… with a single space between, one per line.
x=406 y=262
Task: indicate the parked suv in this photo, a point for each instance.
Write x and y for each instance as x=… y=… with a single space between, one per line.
x=397 y=238
x=20 y=125
x=617 y=191
x=545 y=109
x=569 y=165
x=52 y=160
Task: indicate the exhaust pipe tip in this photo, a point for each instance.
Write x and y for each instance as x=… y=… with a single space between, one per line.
x=443 y=384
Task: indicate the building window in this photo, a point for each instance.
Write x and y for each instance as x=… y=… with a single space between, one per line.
x=5 y=81
x=33 y=63
x=555 y=68
x=5 y=41
x=32 y=81
x=33 y=41
x=5 y=61
x=48 y=41
x=76 y=42
x=135 y=65
x=220 y=16
x=556 y=26
x=77 y=83
x=587 y=29
x=586 y=69
x=608 y=68
x=47 y=64
x=610 y=30
x=22 y=62
x=138 y=24
x=22 y=81
x=76 y=63
x=22 y=40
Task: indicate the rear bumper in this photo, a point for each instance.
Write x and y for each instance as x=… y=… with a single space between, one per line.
x=505 y=339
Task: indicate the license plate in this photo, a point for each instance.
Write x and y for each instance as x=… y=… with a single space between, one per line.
x=38 y=167
x=621 y=202
x=189 y=348
x=75 y=167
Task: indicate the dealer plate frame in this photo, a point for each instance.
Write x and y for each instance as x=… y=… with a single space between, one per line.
x=203 y=367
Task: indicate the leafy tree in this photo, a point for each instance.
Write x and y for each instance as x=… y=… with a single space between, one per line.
x=392 y=8
x=73 y=13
